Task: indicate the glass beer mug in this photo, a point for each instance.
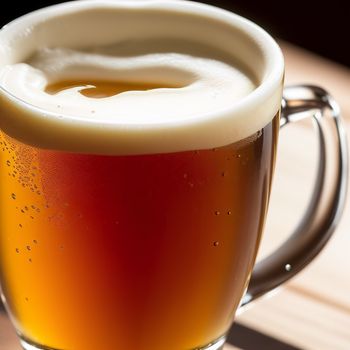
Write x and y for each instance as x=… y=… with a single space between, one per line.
x=138 y=142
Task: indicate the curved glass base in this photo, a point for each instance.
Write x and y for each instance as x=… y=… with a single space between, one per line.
x=217 y=345
x=30 y=346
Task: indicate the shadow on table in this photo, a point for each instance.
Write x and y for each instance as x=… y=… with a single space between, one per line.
x=247 y=338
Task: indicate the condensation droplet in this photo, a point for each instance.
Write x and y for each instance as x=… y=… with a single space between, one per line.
x=30 y=260
x=224 y=173
x=17 y=250
x=20 y=225
x=217 y=212
x=13 y=196
x=229 y=212
x=238 y=156
x=35 y=241
x=29 y=247
x=26 y=299
x=288 y=267
x=26 y=208
x=93 y=111
x=8 y=163
x=185 y=176
x=32 y=217
x=22 y=211
x=33 y=206
x=216 y=243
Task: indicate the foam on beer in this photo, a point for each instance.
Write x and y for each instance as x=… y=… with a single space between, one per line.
x=214 y=94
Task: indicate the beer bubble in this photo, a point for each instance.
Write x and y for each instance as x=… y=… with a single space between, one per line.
x=35 y=241
x=33 y=206
x=185 y=176
x=224 y=173
x=191 y=184
x=20 y=225
x=238 y=156
x=13 y=195
x=26 y=208
x=8 y=163
x=26 y=299
x=217 y=213
x=17 y=250
x=216 y=243
x=32 y=217
x=229 y=212
x=22 y=211
x=29 y=247
x=30 y=260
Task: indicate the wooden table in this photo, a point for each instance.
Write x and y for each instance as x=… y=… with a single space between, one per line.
x=313 y=310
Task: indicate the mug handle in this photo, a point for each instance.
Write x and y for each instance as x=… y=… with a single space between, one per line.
x=329 y=194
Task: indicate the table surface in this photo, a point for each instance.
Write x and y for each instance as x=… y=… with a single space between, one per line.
x=312 y=311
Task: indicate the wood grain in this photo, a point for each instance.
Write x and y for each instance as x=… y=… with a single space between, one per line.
x=313 y=310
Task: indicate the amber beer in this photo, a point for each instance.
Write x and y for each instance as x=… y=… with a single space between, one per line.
x=104 y=252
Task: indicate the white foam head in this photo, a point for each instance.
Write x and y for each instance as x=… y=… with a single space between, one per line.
x=229 y=73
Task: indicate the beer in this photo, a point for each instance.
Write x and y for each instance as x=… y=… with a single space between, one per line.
x=107 y=251
x=135 y=174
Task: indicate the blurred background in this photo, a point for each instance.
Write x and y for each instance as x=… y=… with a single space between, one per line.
x=319 y=26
